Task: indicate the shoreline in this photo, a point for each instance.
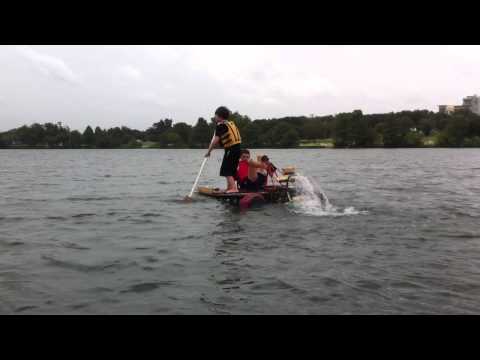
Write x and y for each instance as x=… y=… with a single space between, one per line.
x=270 y=147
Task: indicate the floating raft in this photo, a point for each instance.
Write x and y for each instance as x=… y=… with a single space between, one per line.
x=271 y=194
x=217 y=193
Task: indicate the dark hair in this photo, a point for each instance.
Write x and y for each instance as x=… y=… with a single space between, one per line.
x=223 y=112
x=265 y=158
x=244 y=151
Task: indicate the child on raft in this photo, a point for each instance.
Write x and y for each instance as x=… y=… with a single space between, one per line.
x=252 y=175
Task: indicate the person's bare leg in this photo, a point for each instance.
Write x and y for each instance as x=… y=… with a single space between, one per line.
x=253 y=166
x=252 y=173
x=231 y=186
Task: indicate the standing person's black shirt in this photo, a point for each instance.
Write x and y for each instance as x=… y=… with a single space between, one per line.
x=221 y=129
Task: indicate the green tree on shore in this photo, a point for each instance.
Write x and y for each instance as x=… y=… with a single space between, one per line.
x=75 y=139
x=455 y=132
x=202 y=133
x=395 y=131
x=88 y=137
x=184 y=131
x=354 y=129
x=154 y=132
x=171 y=139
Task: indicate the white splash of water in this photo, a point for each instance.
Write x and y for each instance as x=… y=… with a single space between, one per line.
x=310 y=199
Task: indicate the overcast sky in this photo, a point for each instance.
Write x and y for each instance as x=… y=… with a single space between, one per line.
x=138 y=85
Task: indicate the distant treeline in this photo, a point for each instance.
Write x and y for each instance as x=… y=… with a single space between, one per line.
x=402 y=129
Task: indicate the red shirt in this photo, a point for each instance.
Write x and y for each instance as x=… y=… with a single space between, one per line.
x=242 y=170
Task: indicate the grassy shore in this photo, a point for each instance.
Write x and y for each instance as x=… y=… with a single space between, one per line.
x=428 y=141
x=317 y=143
x=327 y=143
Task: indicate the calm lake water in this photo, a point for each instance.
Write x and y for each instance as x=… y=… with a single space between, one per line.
x=106 y=232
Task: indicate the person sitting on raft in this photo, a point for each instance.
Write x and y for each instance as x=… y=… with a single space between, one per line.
x=252 y=175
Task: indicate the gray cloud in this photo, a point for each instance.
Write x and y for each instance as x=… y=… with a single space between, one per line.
x=137 y=85
x=154 y=99
x=49 y=65
x=130 y=72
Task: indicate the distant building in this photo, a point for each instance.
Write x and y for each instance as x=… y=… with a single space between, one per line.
x=446 y=109
x=470 y=103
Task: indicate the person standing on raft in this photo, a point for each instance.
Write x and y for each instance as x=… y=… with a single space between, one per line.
x=228 y=136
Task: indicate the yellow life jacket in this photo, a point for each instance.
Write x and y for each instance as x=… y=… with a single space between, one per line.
x=232 y=136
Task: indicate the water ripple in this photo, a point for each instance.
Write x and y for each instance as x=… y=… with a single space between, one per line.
x=146 y=286
x=108 y=231
x=86 y=268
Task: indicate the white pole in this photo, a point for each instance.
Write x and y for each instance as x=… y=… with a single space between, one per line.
x=200 y=171
x=198 y=177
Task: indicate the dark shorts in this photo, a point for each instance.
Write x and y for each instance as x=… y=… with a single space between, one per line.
x=257 y=185
x=230 y=161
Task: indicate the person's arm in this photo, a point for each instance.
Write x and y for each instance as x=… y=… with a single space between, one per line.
x=215 y=141
x=271 y=169
x=257 y=165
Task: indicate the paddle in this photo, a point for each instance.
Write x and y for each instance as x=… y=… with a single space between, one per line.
x=189 y=196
